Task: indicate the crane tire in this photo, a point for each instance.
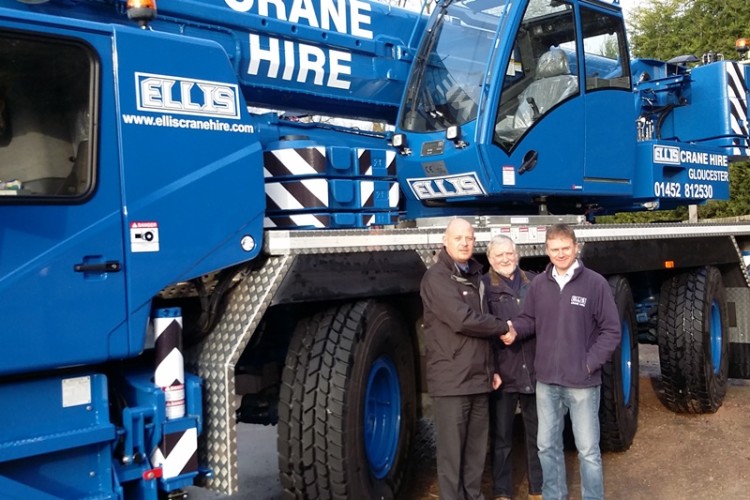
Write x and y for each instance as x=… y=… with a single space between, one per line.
x=291 y=449
x=693 y=341
x=618 y=411
x=347 y=404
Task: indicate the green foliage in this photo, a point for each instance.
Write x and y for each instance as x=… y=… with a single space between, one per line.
x=739 y=195
x=662 y=29
x=610 y=49
x=680 y=214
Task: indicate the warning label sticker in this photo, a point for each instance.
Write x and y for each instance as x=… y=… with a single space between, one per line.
x=144 y=237
x=509 y=176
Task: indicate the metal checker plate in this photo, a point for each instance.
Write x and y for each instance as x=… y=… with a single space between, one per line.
x=214 y=361
x=529 y=239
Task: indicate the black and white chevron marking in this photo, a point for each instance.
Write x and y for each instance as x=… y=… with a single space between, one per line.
x=367 y=195
x=169 y=373
x=300 y=189
x=177 y=453
x=381 y=164
x=737 y=92
x=297 y=195
x=294 y=162
x=306 y=220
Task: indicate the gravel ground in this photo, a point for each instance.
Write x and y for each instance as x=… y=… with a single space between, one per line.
x=673 y=457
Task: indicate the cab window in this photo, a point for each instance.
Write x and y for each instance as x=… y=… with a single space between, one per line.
x=46 y=89
x=541 y=72
x=605 y=51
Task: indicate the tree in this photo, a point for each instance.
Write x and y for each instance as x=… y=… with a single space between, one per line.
x=662 y=29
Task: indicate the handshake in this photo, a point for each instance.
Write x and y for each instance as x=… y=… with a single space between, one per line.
x=510 y=335
x=507 y=338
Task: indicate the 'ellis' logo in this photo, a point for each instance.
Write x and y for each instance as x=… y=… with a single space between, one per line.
x=577 y=300
x=667 y=154
x=447 y=186
x=186 y=96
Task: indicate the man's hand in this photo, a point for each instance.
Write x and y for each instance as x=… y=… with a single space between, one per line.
x=496 y=381
x=510 y=336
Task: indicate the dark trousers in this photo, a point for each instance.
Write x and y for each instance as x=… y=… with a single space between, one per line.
x=504 y=412
x=462 y=427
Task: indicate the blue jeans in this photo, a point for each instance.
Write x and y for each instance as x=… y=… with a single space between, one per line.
x=552 y=402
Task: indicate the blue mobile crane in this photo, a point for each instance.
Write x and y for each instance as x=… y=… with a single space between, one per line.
x=173 y=263
x=135 y=189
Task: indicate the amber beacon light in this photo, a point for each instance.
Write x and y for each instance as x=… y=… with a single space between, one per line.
x=742 y=45
x=141 y=11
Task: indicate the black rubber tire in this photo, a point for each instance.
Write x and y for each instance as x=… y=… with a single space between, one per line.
x=320 y=436
x=618 y=418
x=691 y=382
x=291 y=448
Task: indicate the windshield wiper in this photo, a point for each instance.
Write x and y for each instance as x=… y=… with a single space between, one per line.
x=420 y=63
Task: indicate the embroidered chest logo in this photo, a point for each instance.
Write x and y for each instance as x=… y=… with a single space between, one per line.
x=575 y=300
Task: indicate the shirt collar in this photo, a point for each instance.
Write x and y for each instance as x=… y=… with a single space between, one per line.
x=464 y=267
x=568 y=273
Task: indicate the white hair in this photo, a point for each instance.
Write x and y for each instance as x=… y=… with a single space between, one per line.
x=498 y=239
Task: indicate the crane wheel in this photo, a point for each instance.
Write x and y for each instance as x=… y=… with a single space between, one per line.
x=347 y=409
x=618 y=411
x=693 y=341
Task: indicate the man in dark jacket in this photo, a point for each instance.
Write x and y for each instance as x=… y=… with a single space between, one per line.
x=506 y=286
x=573 y=313
x=459 y=364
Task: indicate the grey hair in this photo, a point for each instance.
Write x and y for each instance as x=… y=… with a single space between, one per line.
x=500 y=238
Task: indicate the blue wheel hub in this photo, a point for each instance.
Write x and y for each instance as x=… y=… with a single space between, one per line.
x=715 y=332
x=626 y=362
x=382 y=416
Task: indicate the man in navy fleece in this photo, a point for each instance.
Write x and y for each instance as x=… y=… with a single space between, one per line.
x=572 y=312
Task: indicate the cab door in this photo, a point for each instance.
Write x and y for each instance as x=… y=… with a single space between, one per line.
x=539 y=123
x=610 y=129
x=62 y=283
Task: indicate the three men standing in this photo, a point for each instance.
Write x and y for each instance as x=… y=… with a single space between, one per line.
x=571 y=311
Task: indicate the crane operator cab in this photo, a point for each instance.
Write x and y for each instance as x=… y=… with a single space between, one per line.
x=553 y=84
x=512 y=106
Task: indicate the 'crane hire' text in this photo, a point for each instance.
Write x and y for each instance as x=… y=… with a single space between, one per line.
x=300 y=61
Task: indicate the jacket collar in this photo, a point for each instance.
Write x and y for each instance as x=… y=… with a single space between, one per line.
x=475 y=268
x=577 y=272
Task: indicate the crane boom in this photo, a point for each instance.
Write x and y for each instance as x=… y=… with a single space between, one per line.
x=332 y=57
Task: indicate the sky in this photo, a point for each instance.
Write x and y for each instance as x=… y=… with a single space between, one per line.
x=626 y=6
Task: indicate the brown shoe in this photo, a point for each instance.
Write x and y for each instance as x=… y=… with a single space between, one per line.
x=533 y=496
